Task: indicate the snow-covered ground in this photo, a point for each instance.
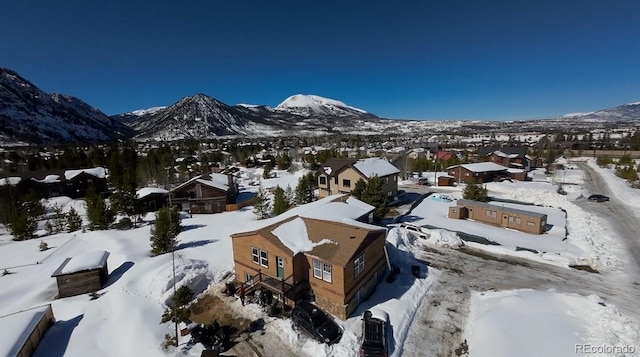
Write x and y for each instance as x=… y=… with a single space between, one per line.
x=124 y=320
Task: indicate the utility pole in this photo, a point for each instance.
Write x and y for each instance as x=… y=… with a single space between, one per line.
x=173 y=264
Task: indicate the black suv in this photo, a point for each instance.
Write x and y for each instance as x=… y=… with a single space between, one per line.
x=374 y=334
x=598 y=198
x=315 y=322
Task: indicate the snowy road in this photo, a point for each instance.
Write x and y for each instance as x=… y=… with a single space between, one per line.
x=622 y=219
x=440 y=322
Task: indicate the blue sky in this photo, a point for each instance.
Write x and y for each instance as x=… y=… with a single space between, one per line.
x=415 y=59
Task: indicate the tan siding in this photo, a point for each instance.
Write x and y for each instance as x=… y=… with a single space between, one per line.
x=244 y=263
x=348 y=174
x=373 y=255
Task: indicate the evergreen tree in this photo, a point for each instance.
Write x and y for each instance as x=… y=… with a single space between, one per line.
x=374 y=195
x=304 y=190
x=23 y=226
x=283 y=161
x=280 y=204
x=99 y=215
x=358 y=189
x=267 y=171
x=290 y=196
x=59 y=219
x=74 y=221
x=474 y=191
x=180 y=309
x=165 y=230
x=261 y=204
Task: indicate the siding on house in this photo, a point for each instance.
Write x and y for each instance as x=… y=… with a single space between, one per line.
x=521 y=220
x=344 y=291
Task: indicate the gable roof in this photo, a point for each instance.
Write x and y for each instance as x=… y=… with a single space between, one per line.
x=521 y=151
x=219 y=181
x=375 y=166
x=443 y=155
x=481 y=167
x=333 y=165
x=331 y=241
x=98 y=172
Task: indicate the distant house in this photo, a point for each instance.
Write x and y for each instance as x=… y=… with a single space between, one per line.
x=478 y=172
x=82 y=274
x=150 y=199
x=208 y=193
x=446 y=180
x=338 y=176
x=521 y=220
x=418 y=153
x=321 y=253
x=77 y=182
x=22 y=331
x=54 y=183
x=508 y=156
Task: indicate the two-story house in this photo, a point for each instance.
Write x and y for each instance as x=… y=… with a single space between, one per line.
x=321 y=253
x=205 y=193
x=338 y=176
x=508 y=156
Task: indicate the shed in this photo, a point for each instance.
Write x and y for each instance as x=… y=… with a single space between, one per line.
x=446 y=181
x=22 y=331
x=82 y=274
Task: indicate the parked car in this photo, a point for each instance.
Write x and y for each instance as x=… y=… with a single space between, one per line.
x=598 y=198
x=315 y=322
x=374 y=334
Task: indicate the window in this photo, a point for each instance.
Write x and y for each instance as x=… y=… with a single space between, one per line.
x=386 y=180
x=490 y=213
x=515 y=220
x=358 y=265
x=346 y=183
x=530 y=224
x=264 y=259
x=466 y=174
x=247 y=276
x=89 y=180
x=259 y=256
x=322 y=270
x=323 y=180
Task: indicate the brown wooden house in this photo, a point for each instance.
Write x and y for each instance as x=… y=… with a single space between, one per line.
x=508 y=156
x=205 y=193
x=337 y=264
x=521 y=220
x=82 y=274
x=26 y=331
x=150 y=199
x=479 y=172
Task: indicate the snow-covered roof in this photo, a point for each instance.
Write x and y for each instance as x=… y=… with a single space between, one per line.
x=515 y=171
x=502 y=154
x=481 y=167
x=10 y=181
x=146 y=191
x=293 y=234
x=99 y=172
x=219 y=181
x=379 y=314
x=87 y=261
x=375 y=167
x=49 y=179
x=15 y=329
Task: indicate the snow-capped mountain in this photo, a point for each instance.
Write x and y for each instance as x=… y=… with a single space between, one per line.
x=29 y=115
x=314 y=106
x=198 y=116
x=625 y=112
